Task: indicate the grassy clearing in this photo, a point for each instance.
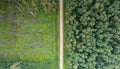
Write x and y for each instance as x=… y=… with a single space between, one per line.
x=32 y=41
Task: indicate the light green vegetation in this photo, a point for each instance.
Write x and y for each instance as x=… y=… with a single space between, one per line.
x=28 y=38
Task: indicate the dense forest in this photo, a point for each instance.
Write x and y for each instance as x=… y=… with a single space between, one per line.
x=92 y=34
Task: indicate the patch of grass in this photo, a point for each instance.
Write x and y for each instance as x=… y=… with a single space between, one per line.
x=32 y=40
x=25 y=64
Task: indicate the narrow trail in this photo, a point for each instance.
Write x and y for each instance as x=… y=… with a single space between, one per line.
x=61 y=33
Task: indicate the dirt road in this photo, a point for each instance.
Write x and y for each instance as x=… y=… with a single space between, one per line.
x=61 y=34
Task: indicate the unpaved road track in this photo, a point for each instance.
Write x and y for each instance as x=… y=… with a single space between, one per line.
x=61 y=33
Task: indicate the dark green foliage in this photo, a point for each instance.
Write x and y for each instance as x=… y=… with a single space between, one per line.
x=92 y=34
x=49 y=6
x=28 y=7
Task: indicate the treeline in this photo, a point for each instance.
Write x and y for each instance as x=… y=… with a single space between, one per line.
x=29 y=7
x=92 y=34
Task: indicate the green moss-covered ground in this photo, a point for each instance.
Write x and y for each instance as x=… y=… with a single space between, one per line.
x=28 y=36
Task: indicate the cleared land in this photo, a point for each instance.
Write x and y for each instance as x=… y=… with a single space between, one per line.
x=29 y=40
